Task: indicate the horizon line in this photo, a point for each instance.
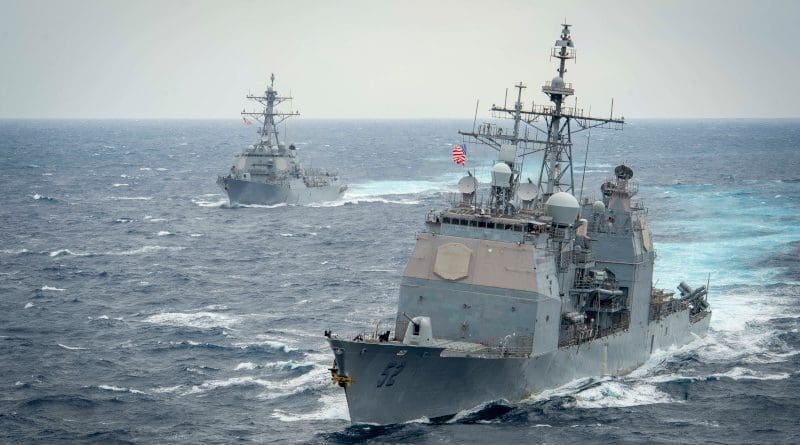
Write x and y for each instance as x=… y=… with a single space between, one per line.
x=373 y=118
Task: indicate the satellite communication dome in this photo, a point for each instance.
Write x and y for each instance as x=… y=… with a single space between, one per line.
x=598 y=207
x=501 y=175
x=527 y=191
x=557 y=82
x=467 y=184
x=563 y=207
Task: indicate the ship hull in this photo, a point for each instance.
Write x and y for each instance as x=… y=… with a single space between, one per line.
x=424 y=383
x=294 y=192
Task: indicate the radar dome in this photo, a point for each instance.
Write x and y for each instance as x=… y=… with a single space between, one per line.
x=501 y=175
x=557 y=82
x=598 y=207
x=527 y=191
x=563 y=207
x=467 y=184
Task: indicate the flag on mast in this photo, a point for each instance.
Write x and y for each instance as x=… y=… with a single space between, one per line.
x=460 y=154
x=247 y=121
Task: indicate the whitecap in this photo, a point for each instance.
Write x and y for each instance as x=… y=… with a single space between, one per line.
x=215 y=204
x=164 y=233
x=739 y=373
x=263 y=206
x=14 y=251
x=195 y=235
x=120 y=389
x=166 y=389
x=144 y=169
x=28 y=305
x=618 y=394
x=72 y=348
x=332 y=406
x=50 y=288
x=203 y=320
x=245 y=366
x=119 y=184
x=233 y=381
x=131 y=198
x=146 y=249
x=162 y=169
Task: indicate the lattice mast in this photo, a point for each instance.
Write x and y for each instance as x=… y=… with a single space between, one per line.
x=269 y=118
x=556 y=171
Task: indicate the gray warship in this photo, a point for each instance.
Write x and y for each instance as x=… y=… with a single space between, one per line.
x=523 y=289
x=267 y=172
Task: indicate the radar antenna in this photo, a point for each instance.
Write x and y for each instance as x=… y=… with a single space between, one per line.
x=269 y=118
x=553 y=139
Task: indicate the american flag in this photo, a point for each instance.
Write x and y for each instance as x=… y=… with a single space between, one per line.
x=460 y=154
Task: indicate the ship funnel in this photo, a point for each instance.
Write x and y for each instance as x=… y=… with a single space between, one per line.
x=563 y=207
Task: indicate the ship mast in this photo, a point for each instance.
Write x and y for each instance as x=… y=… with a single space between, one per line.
x=269 y=118
x=556 y=171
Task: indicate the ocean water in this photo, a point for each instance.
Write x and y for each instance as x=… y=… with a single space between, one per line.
x=136 y=306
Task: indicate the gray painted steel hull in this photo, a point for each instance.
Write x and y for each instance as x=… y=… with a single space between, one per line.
x=430 y=385
x=295 y=192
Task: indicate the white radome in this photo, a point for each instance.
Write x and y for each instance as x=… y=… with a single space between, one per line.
x=563 y=207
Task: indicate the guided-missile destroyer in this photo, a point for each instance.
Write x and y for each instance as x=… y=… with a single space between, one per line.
x=267 y=172
x=523 y=289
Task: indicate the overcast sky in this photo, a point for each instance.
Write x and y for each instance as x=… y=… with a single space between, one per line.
x=394 y=59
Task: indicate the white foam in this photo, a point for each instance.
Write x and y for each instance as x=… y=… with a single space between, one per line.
x=28 y=305
x=332 y=406
x=145 y=249
x=163 y=233
x=203 y=320
x=144 y=169
x=120 y=184
x=14 y=251
x=166 y=389
x=50 y=288
x=216 y=204
x=72 y=348
x=233 y=381
x=739 y=373
x=618 y=394
x=195 y=235
x=245 y=366
x=162 y=169
x=120 y=389
x=61 y=252
x=263 y=206
x=131 y=198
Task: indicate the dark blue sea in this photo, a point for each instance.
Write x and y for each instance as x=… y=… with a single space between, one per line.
x=136 y=306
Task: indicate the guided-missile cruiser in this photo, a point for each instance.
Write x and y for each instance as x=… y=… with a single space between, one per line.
x=519 y=287
x=267 y=172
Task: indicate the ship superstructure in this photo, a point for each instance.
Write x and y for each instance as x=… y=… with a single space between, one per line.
x=267 y=172
x=519 y=287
